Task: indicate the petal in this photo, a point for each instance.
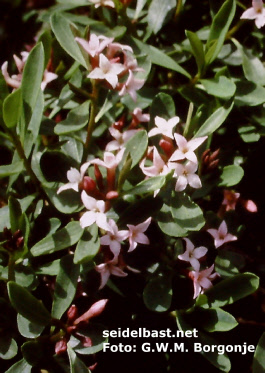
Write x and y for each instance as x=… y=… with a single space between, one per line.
x=181 y=183
x=222 y=230
x=213 y=232
x=199 y=252
x=89 y=202
x=249 y=14
x=195 y=143
x=122 y=235
x=181 y=141
x=153 y=132
x=142 y=227
x=260 y=20
x=115 y=248
x=229 y=237
x=194 y=181
x=142 y=238
x=189 y=245
x=104 y=278
x=87 y=219
x=177 y=155
x=172 y=122
x=97 y=73
x=190 y=155
x=105 y=240
x=101 y=221
x=112 y=79
x=197 y=289
x=116 y=271
x=195 y=264
x=133 y=245
x=191 y=167
x=205 y=283
x=73 y=186
x=73 y=175
x=83 y=169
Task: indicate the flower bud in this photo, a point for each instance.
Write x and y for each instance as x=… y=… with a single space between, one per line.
x=60 y=346
x=88 y=184
x=95 y=310
x=72 y=313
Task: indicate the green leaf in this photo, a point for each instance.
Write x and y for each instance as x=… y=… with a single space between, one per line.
x=136 y=147
x=220 y=26
x=249 y=134
x=12 y=169
x=231 y=175
x=27 y=328
x=4 y=211
x=15 y=213
x=259 y=356
x=31 y=80
x=160 y=58
x=220 y=361
x=35 y=352
x=76 y=119
x=167 y=223
x=20 y=367
x=62 y=30
x=228 y=263
x=197 y=50
x=254 y=69
x=88 y=246
x=12 y=108
x=60 y=240
x=249 y=94
x=65 y=286
x=158 y=12
x=27 y=305
x=8 y=348
x=147 y=186
x=214 y=320
x=163 y=105
x=215 y=120
x=186 y=213
x=46 y=40
x=139 y=7
x=157 y=294
x=76 y=365
x=219 y=87
x=232 y=289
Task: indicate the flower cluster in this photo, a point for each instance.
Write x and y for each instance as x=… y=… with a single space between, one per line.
x=116 y=66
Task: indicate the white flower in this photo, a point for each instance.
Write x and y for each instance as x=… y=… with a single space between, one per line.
x=257 y=12
x=221 y=235
x=99 y=3
x=202 y=280
x=131 y=86
x=138 y=114
x=186 y=175
x=75 y=178
x=164 y=127
x=159 y=166
x=47 y=78
x=111 y=161
x=136 y=234
x=107 y=70
x=120 y=138
x=96 y=213
x=95 y=45
x=108 y=269
x=192 y=255
x=186 y=148
x=113 y=239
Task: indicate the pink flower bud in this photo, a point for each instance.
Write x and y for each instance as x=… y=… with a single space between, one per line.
x=95 y=310
x=72 y=313
x=88 y=184
x=112 y=194
x=60 y=346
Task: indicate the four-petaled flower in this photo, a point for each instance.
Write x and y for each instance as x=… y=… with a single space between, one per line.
x=164 y=127
x=202 y=280
x=107 y=70
x=221 y=235
x=159 y=166
x=120 y=138
x=185 y=174
x=230 y=199
x=192 y=254
x=75 y=178
x=256 y=12
x=113 y=239
x=96 y=213
x=95 y=45
x=136 y=234
x=186 y=148
x=108 y=269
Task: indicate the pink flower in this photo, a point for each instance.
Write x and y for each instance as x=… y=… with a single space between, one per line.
x=113 y=239
x=164 y=127
x=136 y=234
x=75 y=178
x=186 y=148
x=139 y=116
x=110 y=160
x=185 y=174
x=221 y=235
x=95 y=45
x=192 y=255
x=257 y=12
x=107 y=70
x=230 y=199
x=95 y=310
x=96 y=213
x=159 y=166
x=202 y=280
x=131 y=86
x=47 y=78
x=108 y=269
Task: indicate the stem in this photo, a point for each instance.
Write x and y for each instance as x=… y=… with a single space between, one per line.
x=11 y=268
x=234 y=29
x=178 y=9
x=91 y=122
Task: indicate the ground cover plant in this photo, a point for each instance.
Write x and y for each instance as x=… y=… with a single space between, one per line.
x=132 y=195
